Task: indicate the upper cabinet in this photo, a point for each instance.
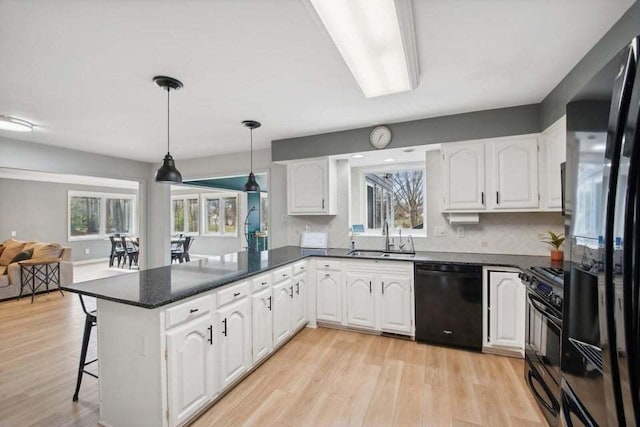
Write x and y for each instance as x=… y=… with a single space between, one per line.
x=553 y=152
x=511 y=174
x=311 y=187
x=463 y=165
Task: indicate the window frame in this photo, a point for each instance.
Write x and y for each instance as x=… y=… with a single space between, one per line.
x=204 y=226
x=103 y=196
x=363 y=198
x=185 y=198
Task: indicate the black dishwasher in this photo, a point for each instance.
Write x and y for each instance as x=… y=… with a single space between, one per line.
x=449 y=304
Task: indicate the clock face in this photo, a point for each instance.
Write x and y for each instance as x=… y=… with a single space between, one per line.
x=380 y=137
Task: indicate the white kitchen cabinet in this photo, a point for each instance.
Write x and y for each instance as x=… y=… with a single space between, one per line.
x=506 y=310
x=553 y=154
x=235 y=341
x=513 y=167
x=312 y=187
x=329 y=296
x=299 y=301
x=191 y=380
x=282 y=312
x=464 y=176
x=396 y=304
x=361 y=307
x=262 y=318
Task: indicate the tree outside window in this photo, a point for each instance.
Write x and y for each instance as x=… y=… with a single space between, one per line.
x=84 y=213
x=185 y=211
x=118 y=215
x=94 y=215
x=230 y=215
x=396 y=197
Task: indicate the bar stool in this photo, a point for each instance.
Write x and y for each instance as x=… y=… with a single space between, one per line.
x=91 y=320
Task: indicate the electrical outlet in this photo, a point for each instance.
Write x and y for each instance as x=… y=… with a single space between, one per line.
x=460 y=231
x=307 y=227
x=13 y=234
x=87 y=251
x=439 y=231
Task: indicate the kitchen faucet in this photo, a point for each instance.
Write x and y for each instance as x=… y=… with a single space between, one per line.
x=385 y=232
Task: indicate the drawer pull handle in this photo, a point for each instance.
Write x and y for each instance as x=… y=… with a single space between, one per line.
x=210 y=334
x=224 y=332
x=193 y=310
x=302 y=267
x=448 y=332
x=291 y=290
x=284 y=274
x=263 y=283
x=327 y=275
x=327 y=265
x=236 y=294
x=269 y=303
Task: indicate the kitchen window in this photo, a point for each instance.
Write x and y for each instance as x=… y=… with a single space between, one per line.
x=396 y=196
x=185 y=214
x=220 y=213
x=93 y=216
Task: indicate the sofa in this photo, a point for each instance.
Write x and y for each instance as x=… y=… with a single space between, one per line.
x=10 y=271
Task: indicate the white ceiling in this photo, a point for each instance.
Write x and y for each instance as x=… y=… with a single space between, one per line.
x=81 y=70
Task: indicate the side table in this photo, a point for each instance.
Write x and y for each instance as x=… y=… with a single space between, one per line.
x=35 y=273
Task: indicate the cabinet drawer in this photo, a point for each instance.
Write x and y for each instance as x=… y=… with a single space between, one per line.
x=262 y=282
x=327 y=264
x=233 y=293
x=281 y=274
x=300 y=267
x=187 y=311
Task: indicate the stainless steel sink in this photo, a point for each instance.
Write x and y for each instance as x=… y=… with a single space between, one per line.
x=398 y=255
x=381 y=254
x=365 y=253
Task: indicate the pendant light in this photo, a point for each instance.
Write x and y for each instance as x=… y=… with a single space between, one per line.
x=252 y=185
x=168 y=172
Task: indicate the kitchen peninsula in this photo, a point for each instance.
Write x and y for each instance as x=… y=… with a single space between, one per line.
x=173 y=340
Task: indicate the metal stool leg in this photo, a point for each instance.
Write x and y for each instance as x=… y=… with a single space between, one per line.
x=88 y=325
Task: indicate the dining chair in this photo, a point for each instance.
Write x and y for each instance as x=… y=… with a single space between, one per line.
x=117 y=251
x=131 y=250
x=188 y=241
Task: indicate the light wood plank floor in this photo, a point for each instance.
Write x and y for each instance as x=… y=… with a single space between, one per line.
x=322 y=377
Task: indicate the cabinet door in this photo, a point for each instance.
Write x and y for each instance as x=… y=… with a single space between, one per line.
x=360 y=301
x=515 y=173
x=329 y=296
x=190 y=368
x=396 y=304
x=464 y=180
x=308 y=186
x=506 y=310
x=235 y=342
x=282 y=316
x=262 y=320
x=555 y=146
x=299 y=301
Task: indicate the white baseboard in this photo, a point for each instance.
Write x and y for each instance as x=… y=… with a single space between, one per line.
x=90 y=261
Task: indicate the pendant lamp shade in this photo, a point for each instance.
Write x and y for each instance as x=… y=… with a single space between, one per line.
x=168 y=173
x=251 y=186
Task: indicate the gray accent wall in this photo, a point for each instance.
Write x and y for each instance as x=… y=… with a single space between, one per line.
x=38 y=211
x=519 y=120
x=554 y=105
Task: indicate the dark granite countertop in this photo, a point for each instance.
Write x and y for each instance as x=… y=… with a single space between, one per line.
x=163 y=285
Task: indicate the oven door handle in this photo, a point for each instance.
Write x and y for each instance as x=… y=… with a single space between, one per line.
x=538 y=304
x=554 y=407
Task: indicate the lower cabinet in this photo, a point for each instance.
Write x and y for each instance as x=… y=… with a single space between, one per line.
x=191 y=368
x=262 y=319
x=282 y=312
x=235 y=341
x=505 y=311
x=300 y=287
x=329 y=289
x=361 y=306
x=396 y=304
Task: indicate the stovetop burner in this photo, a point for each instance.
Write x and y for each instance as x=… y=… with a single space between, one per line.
x=556 y=275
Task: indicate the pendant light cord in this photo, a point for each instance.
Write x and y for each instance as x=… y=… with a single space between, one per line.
x=251 y=155
x=168 y=116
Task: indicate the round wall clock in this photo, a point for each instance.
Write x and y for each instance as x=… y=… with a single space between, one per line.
x=380 y=137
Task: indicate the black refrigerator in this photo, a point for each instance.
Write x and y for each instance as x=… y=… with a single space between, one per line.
x=600 y=360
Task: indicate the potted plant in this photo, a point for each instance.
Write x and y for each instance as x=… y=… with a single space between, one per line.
x=555 y=241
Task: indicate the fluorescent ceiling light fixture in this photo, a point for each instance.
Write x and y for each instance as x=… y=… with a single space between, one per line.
x=358 y=156
x=377 y=40
x=389 y=160
x=17 y=125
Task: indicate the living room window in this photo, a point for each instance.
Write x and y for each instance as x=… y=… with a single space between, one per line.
x=395 y=196
x=220 y=213
x=185 y=214
x=93 y=215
